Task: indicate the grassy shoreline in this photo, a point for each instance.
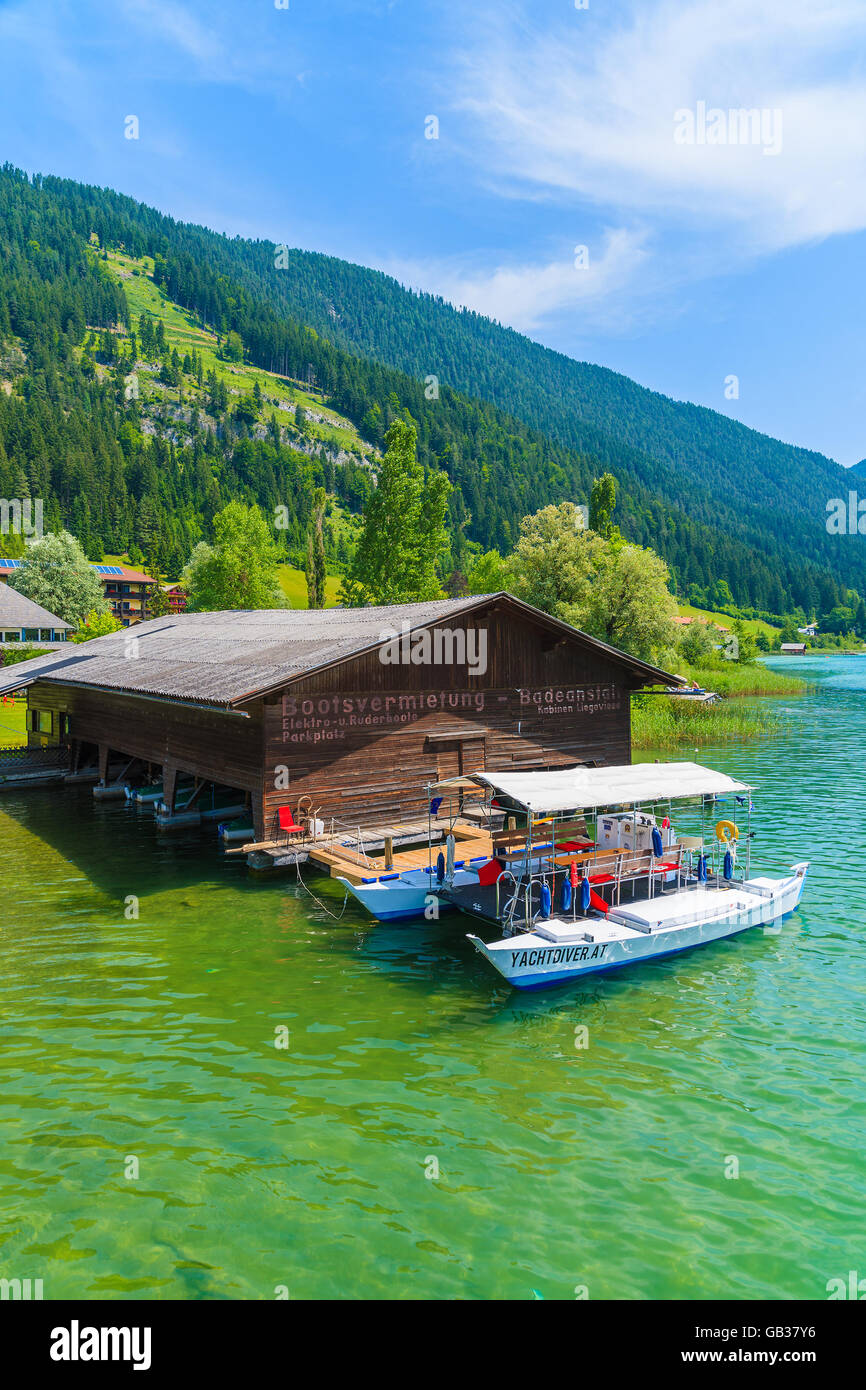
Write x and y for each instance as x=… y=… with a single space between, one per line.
x=666 y=721
x=13 y=728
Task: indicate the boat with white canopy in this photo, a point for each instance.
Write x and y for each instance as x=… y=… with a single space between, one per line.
x=634 y=888
x=588 y=872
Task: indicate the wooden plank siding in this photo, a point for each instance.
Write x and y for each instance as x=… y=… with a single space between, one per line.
x=361 y=773
x=364 y=738
x=219 y=747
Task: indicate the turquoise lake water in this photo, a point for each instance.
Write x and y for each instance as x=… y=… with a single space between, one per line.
x=148 y=1045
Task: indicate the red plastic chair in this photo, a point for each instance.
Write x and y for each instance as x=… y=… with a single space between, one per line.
x=288 y=824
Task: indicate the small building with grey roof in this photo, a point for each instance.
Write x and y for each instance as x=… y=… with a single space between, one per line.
x=23 y=621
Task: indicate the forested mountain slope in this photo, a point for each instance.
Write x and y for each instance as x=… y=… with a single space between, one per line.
x=581 y=404
x=529 y=426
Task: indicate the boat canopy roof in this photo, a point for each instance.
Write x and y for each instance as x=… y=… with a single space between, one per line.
x=583 y=788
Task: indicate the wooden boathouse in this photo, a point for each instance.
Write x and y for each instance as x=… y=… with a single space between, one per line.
x=359 y=710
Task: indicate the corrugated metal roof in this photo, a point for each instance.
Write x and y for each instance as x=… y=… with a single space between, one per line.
x=224 y=658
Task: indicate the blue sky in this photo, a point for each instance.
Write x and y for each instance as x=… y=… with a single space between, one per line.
x=558 y=127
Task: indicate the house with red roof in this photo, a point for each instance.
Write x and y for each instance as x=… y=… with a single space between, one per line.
x=125 y=588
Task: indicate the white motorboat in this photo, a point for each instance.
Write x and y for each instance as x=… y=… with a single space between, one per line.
x=240 y=830
x=685 y=891
x=558 y=949
x=401 y=896
x=591 y=874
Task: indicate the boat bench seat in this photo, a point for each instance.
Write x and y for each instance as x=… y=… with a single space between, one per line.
x=692 y=905
x=564 y=933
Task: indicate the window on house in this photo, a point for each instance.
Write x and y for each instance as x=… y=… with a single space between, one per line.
x=41 y=721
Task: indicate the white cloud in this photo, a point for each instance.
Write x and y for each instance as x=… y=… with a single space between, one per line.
x=180 y=27
x=523 y=295
x=586 y=112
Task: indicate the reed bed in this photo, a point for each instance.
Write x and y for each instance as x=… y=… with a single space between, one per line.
x=663 y=721
x=732 y=680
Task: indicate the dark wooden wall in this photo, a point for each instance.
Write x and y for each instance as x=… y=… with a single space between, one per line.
x=362 y=773
x=224 y=748
x=364 y=739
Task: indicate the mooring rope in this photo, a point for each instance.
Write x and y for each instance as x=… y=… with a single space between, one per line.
x=324 y=906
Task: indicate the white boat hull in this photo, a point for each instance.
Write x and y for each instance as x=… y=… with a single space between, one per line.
x=534 y=960
x=403 y=896
x=396 y=897
x=392 y=897
x=232 y=831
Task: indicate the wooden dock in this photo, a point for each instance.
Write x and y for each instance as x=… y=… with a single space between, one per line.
x=380 y=854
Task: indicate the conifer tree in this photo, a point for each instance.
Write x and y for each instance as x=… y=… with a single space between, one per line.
x=404 y=529
x=315 y=566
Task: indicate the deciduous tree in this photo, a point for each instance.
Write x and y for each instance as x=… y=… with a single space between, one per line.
x=601 y=504
x=97 y=625
x=554 y=560
x=240 y=569
x=629 y=603
x=54 y=572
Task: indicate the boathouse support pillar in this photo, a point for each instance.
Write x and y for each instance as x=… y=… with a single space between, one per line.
x=169 y=785
x=104 y=752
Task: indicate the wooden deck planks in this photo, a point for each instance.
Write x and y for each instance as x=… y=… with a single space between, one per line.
x=348 y=865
